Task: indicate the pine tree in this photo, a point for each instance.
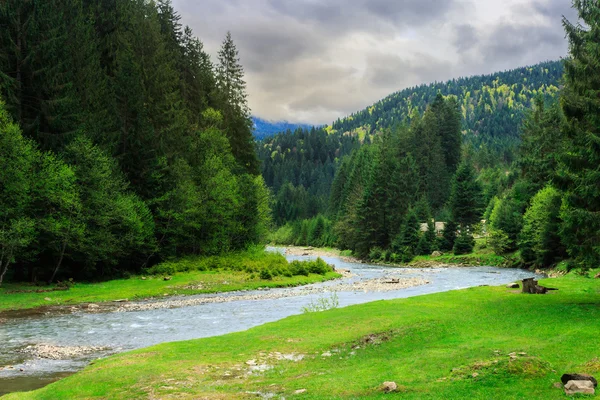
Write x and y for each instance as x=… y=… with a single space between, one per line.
x=232 y=89
x=580 y=100
x=466 y=203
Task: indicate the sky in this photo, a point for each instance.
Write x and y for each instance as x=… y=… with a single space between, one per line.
x=314 y=61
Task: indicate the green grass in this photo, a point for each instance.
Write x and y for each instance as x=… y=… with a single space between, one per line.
x=452 y=345
x=236 y=271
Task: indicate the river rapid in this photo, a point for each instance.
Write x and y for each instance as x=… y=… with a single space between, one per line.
x=24 y=366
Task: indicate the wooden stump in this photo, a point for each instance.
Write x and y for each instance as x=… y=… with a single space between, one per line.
x=530 y=285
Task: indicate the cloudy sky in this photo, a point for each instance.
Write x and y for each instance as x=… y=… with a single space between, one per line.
x=316 y=60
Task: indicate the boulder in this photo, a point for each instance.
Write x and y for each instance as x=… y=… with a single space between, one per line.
x=389 y=387
x=597 y=276
x=437 y=254
x=167 y=278
x=578 y=377
x=300 y=391
x=93 y=306
x=513 y=285
x=585 y=387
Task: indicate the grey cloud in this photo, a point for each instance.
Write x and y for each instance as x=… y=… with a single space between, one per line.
x=466 y=38
x=317 y=60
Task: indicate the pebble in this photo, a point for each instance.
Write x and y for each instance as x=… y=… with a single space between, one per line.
x=370 y=285
x=52 y=352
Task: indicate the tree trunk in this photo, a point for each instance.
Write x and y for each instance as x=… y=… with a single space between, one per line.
x=3 y=267
x=62 y=255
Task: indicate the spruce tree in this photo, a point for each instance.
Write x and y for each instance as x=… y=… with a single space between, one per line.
x=232 y=89
x=579 y=174
x=466 y=201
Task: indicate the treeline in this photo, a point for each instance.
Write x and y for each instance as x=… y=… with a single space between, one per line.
x=384 y=191
x=492 y=108
x=121 y=143
x=543 y=209
x=299 y=168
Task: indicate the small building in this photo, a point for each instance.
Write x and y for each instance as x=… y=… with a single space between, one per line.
x=439 y=227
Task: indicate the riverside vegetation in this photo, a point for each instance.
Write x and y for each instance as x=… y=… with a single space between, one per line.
x=251 y=269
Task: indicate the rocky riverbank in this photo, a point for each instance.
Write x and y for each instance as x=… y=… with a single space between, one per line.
x=386 y=284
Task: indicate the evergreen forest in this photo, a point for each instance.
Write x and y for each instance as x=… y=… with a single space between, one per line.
x=122 y=143
x=511 y=157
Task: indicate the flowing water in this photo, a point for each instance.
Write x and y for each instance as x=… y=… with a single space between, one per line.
x=122 y=331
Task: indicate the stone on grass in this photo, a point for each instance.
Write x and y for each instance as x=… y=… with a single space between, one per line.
x=300 y=391
x=584 y=387
x=597 y=276
x=578 y=377
x=167 y=278
x=437 y=254
x=513 y=285
x=389 y=387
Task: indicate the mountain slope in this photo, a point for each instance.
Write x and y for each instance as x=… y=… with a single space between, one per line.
x=492 y=106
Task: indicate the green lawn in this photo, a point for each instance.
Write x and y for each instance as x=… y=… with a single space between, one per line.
x=452 y=345
x=194 y=275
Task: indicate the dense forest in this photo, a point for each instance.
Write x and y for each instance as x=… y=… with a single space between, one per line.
x=121 y=142
x=421 y=162
x=492 y=107
x=299 y=166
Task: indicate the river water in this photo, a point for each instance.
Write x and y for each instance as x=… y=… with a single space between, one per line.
x=122 y=331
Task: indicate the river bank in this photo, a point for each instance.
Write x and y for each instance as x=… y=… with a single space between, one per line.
x=242 y=271
x=483 y=342
x=124 y=326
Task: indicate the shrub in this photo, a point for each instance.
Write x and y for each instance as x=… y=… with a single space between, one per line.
x=464 y=243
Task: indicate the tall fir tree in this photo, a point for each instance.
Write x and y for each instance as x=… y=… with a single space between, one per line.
x=232 y=89
x=580 y=170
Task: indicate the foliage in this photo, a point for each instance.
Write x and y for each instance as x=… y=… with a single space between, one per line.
x=141 y=149
x=464 y=243
x=539 y=239
x=322 y=304
x=578 y=172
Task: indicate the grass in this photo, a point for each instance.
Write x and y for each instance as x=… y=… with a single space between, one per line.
x=237 y=271
x=452 y=345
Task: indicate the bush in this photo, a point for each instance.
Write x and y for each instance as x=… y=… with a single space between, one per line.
x=375 y=254
x=500 y=242
x=464 y=243
x=266 y=275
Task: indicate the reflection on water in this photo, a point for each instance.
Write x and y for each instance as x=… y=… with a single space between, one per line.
x=131 y=330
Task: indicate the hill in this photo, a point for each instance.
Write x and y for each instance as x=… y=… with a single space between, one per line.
x=492 y=106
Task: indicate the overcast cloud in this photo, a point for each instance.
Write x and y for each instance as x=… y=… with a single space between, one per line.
x=316 y=60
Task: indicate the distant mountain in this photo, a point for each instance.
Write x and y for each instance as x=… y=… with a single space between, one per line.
x=492 y=106
x=264 y=128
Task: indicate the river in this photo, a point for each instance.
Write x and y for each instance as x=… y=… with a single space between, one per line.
x=121 y=331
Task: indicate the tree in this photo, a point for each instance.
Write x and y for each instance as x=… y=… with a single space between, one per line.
x=580 y=100
x=539 y=240
x=232 y=89
x=466 y=197
x=17 y=158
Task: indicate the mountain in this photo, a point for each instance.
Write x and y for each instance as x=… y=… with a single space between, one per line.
x=492 y=106
x=264 y=128
x=299 y=166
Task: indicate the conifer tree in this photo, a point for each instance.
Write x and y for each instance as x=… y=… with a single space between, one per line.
x=232 y=89
x=580 y=101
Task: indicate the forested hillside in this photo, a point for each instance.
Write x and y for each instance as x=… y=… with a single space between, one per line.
x=121 y=142
x=492 y=107
x=539 y=210
x=299 y=166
